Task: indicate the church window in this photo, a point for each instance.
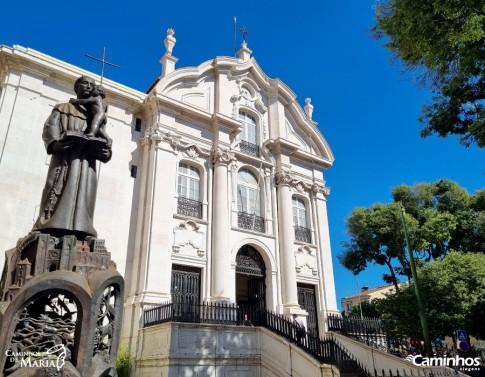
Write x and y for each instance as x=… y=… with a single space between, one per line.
x=189 y=203
x=302 y=233
x=249 y=139
x=249 y=201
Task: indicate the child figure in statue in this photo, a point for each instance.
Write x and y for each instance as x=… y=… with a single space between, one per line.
x=98 y=109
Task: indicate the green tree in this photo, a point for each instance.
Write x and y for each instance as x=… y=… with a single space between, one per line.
x=369 y=310
x=443 y=40
x=453 y=290
x=441 y=216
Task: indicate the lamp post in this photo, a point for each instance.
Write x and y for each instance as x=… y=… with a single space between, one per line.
x=362 y=289
x=419 y=301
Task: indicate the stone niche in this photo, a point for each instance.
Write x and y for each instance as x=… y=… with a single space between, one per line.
x=61 y=299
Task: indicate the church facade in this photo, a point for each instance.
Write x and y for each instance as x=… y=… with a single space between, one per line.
x=215 y=191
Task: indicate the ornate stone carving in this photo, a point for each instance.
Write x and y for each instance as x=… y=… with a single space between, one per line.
x=222 y=156
x=191 y=152
x=305 y=258
x=319 y=188
x=283 y=177
x=151 y=137
x=189 y=240
x=246 y=98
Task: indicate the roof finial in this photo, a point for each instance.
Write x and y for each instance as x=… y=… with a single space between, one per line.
x=308 y=108
x=244 y=53
x=169 y=42
x=168 y=61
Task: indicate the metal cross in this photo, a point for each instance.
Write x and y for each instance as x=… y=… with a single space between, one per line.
x=244 y=32
x=103 y=62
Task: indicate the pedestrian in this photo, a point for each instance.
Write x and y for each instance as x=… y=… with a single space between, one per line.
x=300 y=330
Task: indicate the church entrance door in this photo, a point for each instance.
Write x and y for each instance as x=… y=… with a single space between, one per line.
x=185 y=289
x=307 y=301
x=250 y=278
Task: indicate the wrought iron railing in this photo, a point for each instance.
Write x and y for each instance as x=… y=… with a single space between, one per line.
x=367 y=330
x=303 y=234
x=189 y=207
x=249 y=148
x=325 y=350
x=250 y=221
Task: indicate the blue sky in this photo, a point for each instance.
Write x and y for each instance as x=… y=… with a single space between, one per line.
x=365 y=107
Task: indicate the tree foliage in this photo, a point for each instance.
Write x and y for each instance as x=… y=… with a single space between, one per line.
x=453 y=292
x=440 y=217
x=369 y=310
x=445 y=40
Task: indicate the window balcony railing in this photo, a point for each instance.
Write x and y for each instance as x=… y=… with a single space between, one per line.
x=249 y=148
x=303 y=234
x=250 y=222
x=189 y=207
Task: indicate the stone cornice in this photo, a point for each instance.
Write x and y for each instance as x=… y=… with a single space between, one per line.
x=288 y=148
x=64 y=74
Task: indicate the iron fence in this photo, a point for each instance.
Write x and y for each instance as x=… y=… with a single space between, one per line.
x=367 y=330
x=326 y=350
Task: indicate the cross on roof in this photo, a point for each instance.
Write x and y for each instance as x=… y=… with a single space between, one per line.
x=103 y=62
x=244 y=32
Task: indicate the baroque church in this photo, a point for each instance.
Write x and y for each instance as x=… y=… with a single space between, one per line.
x=214 y=195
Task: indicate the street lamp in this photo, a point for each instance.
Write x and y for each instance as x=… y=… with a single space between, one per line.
x=362 y=289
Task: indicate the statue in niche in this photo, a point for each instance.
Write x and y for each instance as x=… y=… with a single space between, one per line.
x=69 y=195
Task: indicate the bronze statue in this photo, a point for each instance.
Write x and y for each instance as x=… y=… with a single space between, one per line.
x=68 y=199
x=60 y=293
x=98 y=109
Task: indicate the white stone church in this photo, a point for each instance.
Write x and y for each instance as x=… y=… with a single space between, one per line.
x=215 y=193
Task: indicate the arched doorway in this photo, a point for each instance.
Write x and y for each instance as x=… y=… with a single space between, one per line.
x=250 y=278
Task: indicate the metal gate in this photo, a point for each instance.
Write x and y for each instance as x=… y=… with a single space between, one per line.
x=185 y=291
x=256 y=293
x=307 y=301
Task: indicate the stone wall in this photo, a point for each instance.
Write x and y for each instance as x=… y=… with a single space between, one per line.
x=372 y=358
x=195 y=350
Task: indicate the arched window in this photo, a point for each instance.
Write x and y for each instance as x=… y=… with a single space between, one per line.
x=302 y=233
x=249 y=201
x=249 y=134
x=189 y=203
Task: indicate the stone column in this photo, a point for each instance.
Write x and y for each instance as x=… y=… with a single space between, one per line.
x=325 y=258
x=221 y=255
x=287 y=236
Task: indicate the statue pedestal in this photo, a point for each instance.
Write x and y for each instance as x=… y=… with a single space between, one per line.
x=60 y=307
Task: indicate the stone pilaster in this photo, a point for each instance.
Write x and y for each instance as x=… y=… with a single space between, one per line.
x=221 y=256
x=286 y=235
